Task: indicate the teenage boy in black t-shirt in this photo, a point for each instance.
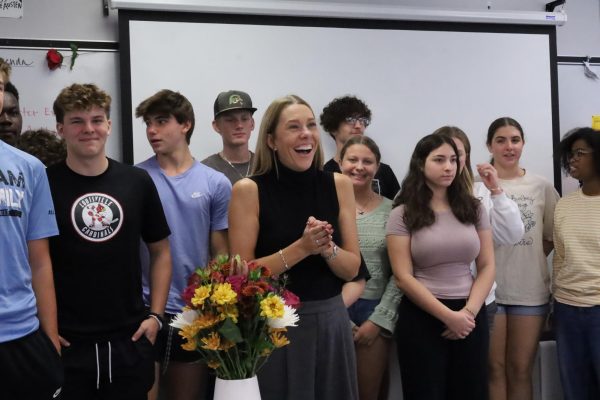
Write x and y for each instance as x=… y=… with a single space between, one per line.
x=103 y=209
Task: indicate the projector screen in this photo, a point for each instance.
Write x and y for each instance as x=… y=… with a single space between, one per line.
x=415 y=77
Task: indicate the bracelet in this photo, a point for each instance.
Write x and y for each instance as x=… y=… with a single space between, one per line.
x=333 y=254
x=157 y=317
x=497 y=188
x=285 y=264
x=469 y=311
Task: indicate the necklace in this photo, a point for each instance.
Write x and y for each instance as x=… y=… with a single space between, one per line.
x=364 y=209
x=234 y=168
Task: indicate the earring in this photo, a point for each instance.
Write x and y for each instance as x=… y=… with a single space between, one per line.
x=274 y=148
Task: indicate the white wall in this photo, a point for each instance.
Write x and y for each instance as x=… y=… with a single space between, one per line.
x=84 y=21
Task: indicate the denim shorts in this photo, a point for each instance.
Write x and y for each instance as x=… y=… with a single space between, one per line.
x=533 y=311
x=361 y=310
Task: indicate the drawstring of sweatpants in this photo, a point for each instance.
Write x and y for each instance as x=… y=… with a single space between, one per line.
x=165 y=362
x=98 y=365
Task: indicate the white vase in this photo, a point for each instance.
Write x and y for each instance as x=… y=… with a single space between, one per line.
x=233 y=389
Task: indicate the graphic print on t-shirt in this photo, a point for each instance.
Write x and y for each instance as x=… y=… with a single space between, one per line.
x=525 y=204
x=12 y=193
x=97 y=217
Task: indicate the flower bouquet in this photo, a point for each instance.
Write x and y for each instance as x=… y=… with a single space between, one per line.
x=235 y=321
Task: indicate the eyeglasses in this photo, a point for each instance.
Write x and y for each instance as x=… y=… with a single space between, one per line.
x=353 y=120
x=577 y=154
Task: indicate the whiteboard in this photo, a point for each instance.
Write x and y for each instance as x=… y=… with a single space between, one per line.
x=413 y=80
x=579 y=100
x=38 y=86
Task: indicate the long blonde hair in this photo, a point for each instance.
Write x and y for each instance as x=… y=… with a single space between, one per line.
x=264 y=158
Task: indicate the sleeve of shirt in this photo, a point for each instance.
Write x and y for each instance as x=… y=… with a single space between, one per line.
x=484 y=220
x=391 y=184
x=395 y=225
x=507 y=226
x=550 y=199
x=558 y=259
x=385 y=314
x=154 y=222
x=42 y=220
x=219 y=205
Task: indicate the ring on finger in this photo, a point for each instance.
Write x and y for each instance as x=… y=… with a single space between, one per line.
x=317 y=242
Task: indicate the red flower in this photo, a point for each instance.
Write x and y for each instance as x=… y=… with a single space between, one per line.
x=290 y=298
x=54 y=59
x=188 y=293
x=236 y=282
x=194 y=279
x=254 y=288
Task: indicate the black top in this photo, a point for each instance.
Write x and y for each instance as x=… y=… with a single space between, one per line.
x=96 y=258
x=384 y=182
x=285 y=203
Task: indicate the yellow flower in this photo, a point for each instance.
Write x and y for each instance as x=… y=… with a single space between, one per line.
x=200 y=294
x=223 y=294
x=212 y=341
x=271 y=307
x=190 y=345
x=206 y=321
x=229 y=311
x=214 y=364
x=189 y=332
x=278 y=339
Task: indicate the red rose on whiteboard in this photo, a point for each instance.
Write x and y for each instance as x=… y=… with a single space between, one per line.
x=54 y=59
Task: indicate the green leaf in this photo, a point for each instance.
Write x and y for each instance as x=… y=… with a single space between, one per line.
x=230 y=331
x=74 y=55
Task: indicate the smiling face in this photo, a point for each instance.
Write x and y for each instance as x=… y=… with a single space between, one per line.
x=296 y=137
x=440 y=167
x=11 y=120
x=85 y=133
x=235 y=127
x=165 y=134
x=581 y=161
x=360 y=164
x=506 y=147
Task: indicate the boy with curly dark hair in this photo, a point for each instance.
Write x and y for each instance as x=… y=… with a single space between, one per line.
x=346 y=116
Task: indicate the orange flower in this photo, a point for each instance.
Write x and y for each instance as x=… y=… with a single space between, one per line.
x=278 y=339
x=211 y=342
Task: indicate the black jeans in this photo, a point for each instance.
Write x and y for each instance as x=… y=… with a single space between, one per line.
x=435 y=368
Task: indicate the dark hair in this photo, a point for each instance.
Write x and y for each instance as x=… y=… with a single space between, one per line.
x=339 y=109
x=10 y=88
x=499 y=123
x=364 y=140
x=588 y=135
x=48 y=147
x=456 y=133
x=168 y=102
x=415 y=195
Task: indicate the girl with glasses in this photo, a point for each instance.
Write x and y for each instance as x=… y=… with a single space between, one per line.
x=576 y=276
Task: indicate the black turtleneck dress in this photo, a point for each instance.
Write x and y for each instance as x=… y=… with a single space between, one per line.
x=319 y=363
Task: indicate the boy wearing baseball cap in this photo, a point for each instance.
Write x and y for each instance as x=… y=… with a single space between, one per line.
x=234 y=122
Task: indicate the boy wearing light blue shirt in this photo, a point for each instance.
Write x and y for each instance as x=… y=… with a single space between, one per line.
x=195 y=199
x=30 y=366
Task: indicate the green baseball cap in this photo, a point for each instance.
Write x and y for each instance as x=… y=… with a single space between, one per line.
x=233 y=100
